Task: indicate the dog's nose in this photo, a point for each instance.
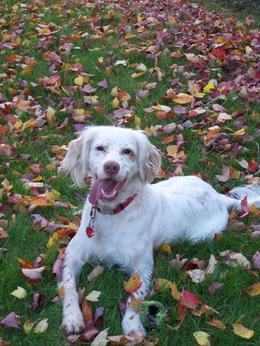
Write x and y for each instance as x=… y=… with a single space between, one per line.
x=111 y=167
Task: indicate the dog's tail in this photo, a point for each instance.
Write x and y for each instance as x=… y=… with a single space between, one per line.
x=243 y=196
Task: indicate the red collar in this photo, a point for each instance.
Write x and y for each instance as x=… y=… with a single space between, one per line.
x=121 y=206
x=107 y=211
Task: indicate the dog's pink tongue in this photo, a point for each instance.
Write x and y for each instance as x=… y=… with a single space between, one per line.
x=95 y=194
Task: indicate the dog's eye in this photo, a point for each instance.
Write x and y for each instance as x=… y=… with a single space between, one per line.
x=100 y=148
x=127 y=151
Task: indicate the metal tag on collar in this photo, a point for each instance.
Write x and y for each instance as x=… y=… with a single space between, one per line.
x=90 y=229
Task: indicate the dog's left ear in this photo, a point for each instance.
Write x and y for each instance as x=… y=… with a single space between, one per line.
x=149 y=158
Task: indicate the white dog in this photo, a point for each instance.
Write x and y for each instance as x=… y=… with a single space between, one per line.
x=125 y=217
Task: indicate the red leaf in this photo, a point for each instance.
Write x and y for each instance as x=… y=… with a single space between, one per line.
x=189 y=299
x=219 y=53
x=181 y=311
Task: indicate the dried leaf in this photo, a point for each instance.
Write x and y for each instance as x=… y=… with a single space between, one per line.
x=242 y=331
x=217 y=324
x=19 y=293
x=133 y=283
x=41 y=326
x=254 y=290
x=97 y=271
x=11 y=321
x=93 y=296
x=202 y=338
x=101 y=338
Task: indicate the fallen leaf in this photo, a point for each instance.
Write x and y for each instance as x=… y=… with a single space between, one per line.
x=19 y=293
x=41 y=326
x=202 y=338
x=34 y=274
x=28 y=326
x=235 y=259
x=133 y=283
x=196 y=275
x=242 y=331
x=189 y=299
x=79 y=80
x=165 y=248
x=174 y=291
x=254 y=290
x=217 y=324
x=256 y=260
x=161 y=284
x=93 y=296
x=97 y=271
x=120 y=340
x=101 y=339
x=214 y=287
x=11 y=321
x=182 y=98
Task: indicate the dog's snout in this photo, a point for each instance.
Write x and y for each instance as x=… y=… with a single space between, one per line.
x=111 y=167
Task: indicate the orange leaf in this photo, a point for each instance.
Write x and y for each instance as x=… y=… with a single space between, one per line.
x=133 y=283
x=254 y=290
x=25 y=264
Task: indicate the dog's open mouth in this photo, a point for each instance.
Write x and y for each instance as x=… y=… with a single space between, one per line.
x=105 y=189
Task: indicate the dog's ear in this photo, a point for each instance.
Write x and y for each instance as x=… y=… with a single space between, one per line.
x=75 y=162
x=149 y=158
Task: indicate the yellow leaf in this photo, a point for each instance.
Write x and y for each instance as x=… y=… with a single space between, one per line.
x=19 y=293
x=175 y=293
x=137 y=122
x=254 y=290
x=172 y=150
x=50 y=116
x=208 y=88
x=202 y=338
x=79 y=81
x=239 y=133
x=133 y=283
x=162 y=284
x=254 y=210
x=114 y=91
x=79 y=111
x=137 y=74
x=52 y=240
x=234 y=173
x=242 y=331
x=182 y=98
x=165 y=248
x=115 y=103
x=30 y=124
x=28 y=326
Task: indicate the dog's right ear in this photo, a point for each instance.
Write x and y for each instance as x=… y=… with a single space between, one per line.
x=75 y=162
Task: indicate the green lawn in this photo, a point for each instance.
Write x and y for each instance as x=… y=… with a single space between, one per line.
x=141 y=51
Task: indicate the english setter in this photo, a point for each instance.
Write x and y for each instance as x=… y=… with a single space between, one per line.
x=125 y=216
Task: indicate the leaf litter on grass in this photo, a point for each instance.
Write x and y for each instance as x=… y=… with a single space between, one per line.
x=181 y=79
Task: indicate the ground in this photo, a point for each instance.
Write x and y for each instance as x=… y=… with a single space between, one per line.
x=188 y=77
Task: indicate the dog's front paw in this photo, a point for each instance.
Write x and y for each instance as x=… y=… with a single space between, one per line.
x=132 y=326
x=73 y=322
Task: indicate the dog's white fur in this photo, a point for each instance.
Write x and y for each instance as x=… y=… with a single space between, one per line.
x=180 y=207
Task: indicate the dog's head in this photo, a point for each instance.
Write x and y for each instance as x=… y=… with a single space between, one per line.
x=112 y=157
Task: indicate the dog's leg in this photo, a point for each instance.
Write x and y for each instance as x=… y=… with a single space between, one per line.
x=131 y=323
x=75 y=257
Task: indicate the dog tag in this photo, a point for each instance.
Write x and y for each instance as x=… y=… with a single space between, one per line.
x=90 y=232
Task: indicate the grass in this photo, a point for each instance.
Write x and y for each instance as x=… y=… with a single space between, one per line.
x=71 y=24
